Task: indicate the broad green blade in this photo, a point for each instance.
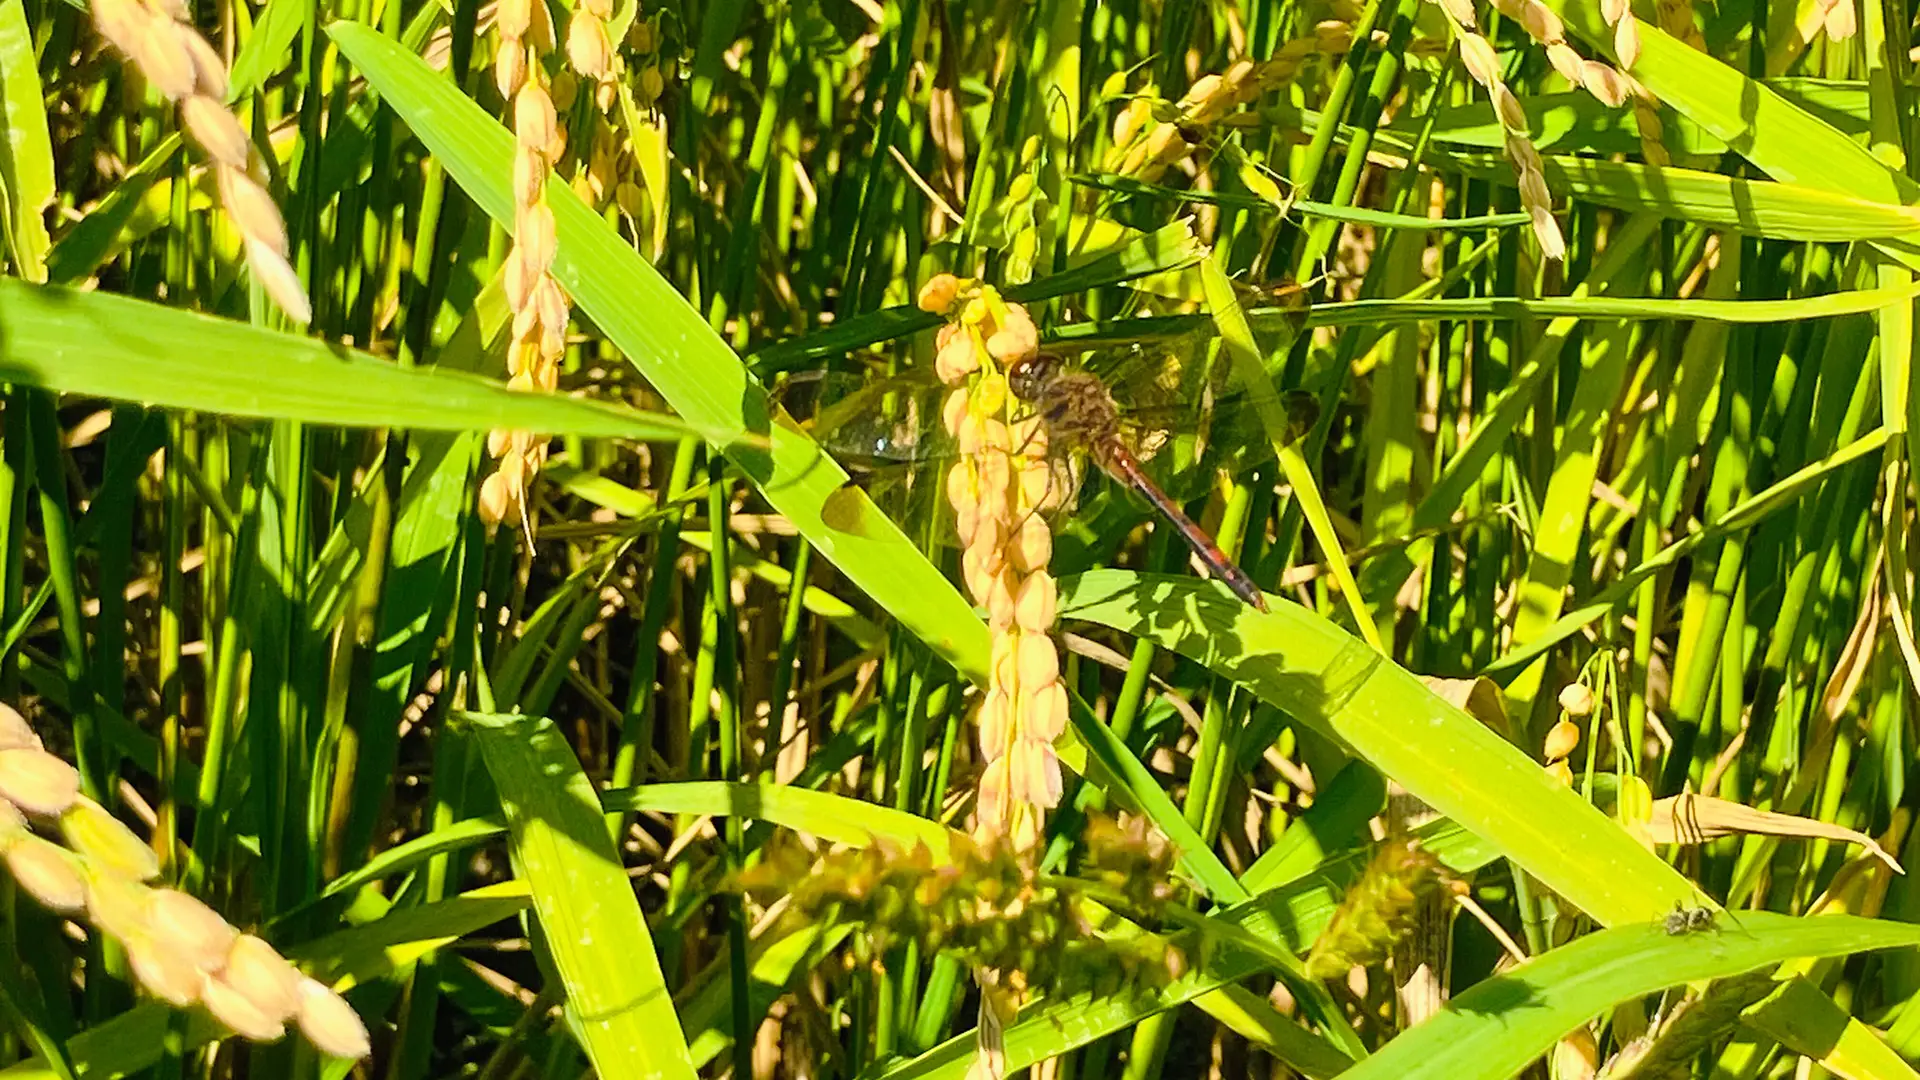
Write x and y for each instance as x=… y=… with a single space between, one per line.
x=1494 y=1029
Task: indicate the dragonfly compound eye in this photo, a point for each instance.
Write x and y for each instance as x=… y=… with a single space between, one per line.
x=1028 y=376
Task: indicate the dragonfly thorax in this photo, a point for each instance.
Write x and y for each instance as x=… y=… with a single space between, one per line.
x=1073 y=403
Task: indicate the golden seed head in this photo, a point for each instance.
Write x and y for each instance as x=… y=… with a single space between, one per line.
x=1009 y=345
x=13 y=824
x=957 y=360
x=954 y=409
x=36 y=781
x=1003 y=665
x=1045 y=712
x=330 y=1024
x=999 y=600
x=1542 y=24
x=535 y=239
x=165 y=972
x=991 y=805
x=1203 y=90
x=995 y=720
x=1165 y=140
x=161 y=52
x=1035 y=605
x=1462 y=12
x=587 y=47
x=551 y=302
x=1533 y=188
x=1017 y=320
x=15 y=732
x=1034 y=774
x=529 y=175
x=973 y=570
x=1545 y=229
x=513 y=18
x=1477 y=55
x=534 y=120
x=259 y=972
x=1238 y=75
x=510 y=68
x=1131 y=120
x=1560 y=771
x=1604 y=83
x=1565 y=61
x=117 y=905
x=122 y=22
x=252 y=209
x=215 y=129
x=966 y=521
x=1561 y=740
x=105 y=842
x=496 y=499
x=46 y=871
x=960 y=486
x=1032 y=551
x=1626 y=36
x=1036 y=486
x=1614 y=10
x=190 y=928
x=936 y=297
x=209 y=71
x=1038 y=660
x=1512 y=117
x=279 y=280
x=1577 y=700
x=244 y=1015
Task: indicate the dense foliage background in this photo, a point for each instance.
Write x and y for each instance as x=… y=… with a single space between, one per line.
x=414 y=550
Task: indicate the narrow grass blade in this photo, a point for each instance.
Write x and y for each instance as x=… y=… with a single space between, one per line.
x=615 y=993
x=1237 y=336
x=26 y=146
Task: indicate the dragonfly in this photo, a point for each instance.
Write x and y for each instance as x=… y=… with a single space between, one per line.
x=1177 y=411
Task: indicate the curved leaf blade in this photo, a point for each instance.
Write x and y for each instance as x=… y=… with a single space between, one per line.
x=131 y=350
x=1323 y=676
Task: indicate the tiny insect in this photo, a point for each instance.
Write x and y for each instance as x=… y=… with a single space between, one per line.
x=1686 y=920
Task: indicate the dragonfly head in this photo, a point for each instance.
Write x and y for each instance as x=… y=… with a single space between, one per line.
x=1029 y=375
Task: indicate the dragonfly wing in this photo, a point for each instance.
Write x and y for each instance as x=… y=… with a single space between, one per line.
x=869 y=420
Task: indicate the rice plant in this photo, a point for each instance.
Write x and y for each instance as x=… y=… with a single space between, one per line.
x=906 y=539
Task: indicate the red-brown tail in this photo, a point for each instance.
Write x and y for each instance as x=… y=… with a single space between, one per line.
x=1124 y=467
